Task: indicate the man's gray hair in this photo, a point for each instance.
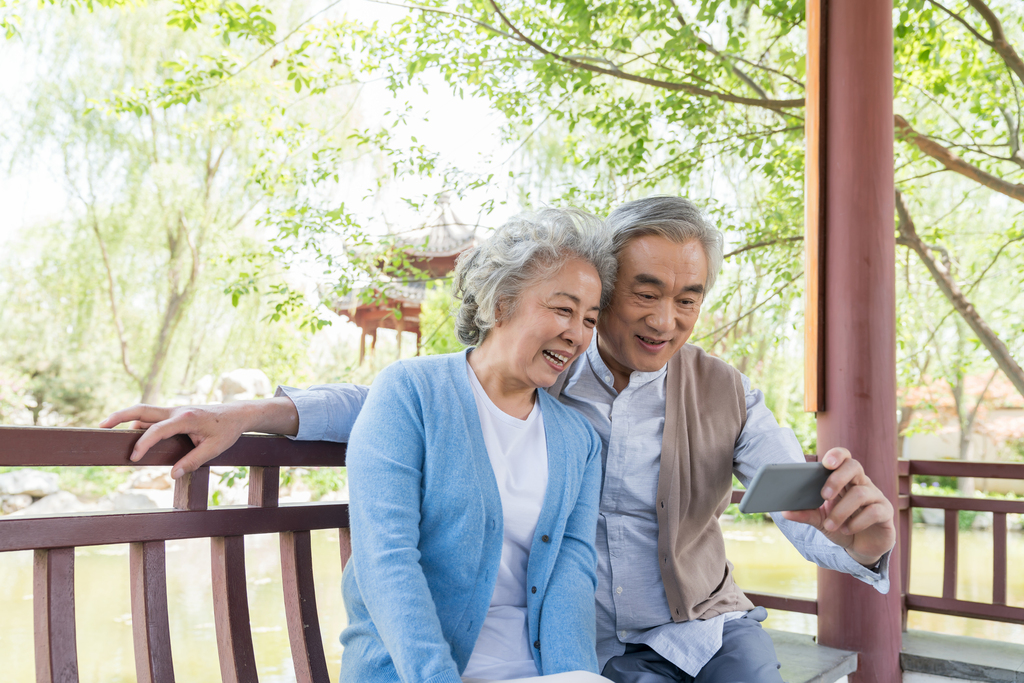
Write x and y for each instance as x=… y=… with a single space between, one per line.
x=490 y=278
x=673 y=218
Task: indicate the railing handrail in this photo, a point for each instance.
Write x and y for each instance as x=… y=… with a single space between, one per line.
x=73 y=447
x=961 y=468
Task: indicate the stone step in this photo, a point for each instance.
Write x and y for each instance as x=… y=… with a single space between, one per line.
x=962 y=658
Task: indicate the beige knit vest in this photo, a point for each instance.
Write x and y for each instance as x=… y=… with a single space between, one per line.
x=705 y=410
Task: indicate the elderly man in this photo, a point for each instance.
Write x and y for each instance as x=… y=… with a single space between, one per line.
x=676 y=424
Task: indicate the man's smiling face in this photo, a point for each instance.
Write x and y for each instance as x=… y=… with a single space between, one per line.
x=657 y=298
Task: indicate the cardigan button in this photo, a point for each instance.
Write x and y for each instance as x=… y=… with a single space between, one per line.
x=533 y=590
x=545 y=538
x=536 y=644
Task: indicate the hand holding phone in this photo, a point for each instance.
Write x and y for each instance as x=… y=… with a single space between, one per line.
x=780 y=487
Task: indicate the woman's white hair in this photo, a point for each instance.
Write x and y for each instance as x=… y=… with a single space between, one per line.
x=491 y=277
x=673 y=218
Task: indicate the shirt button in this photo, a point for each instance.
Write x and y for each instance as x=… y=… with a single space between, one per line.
x=619 y=590
x=545 y=538
x=622 y=634
x=536 y=644
x=533 y=590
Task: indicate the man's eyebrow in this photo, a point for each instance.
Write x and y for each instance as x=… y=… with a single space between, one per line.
x=645 y=279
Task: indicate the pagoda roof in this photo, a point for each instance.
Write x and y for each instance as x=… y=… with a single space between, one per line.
x=443 y=234
x=412 y=292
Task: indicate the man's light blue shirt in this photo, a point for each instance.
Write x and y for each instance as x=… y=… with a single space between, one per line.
x=631 y=602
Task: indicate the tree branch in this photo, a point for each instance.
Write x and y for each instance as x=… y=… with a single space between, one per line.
x=728 y=61
x=943 y=278
x=732 y=323
x=999 y=43
x=113 y=299
x=767 y=243
x=1014 y=135
x=773 y=105
x=959 y=19
x=954 y=163
x=111 y=295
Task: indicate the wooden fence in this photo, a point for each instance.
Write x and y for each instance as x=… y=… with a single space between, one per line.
x=54 y=540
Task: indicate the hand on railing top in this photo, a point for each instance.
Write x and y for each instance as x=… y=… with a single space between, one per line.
x=856 y=515
x=212 y=428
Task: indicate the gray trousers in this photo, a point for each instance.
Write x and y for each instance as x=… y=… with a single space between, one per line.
x=747 y=655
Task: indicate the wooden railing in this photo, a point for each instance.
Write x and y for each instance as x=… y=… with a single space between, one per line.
x=997 y=610
x=54 y=540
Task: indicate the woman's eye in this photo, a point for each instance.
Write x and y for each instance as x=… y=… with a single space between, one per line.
x=591 y=322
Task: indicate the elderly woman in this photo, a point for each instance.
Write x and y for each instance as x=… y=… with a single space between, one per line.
x=473 y=492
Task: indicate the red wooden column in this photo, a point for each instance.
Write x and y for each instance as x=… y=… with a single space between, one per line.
x=858 y=286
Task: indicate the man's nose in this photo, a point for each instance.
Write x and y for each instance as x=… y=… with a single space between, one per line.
x=661 y=318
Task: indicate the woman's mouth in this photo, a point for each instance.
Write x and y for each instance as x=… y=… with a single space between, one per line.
x=557 y=359
x=650 y=344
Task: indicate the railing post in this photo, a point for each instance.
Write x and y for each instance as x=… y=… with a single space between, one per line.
x=858 y=277
x=300 y=608
x=53 y=597
x=192 y=491
x=906 y=523
x=151 y=630
x=231 y=610
x=998 y=558
x=950 y=552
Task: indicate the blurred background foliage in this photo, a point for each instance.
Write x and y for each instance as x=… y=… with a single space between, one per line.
x=219 y=162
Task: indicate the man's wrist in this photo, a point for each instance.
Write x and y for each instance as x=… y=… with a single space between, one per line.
x=867 y=563
x=276 y=415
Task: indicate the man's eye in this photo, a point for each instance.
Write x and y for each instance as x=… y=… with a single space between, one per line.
x=591 y=322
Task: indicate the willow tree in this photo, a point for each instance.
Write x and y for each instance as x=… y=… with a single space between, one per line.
x=606 y=101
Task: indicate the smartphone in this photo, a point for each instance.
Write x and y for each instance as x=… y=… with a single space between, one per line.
x=786 y=486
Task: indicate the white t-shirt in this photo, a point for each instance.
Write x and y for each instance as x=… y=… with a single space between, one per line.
x=519 y=456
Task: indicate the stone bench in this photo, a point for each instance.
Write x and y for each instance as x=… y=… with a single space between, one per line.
x=804 y=661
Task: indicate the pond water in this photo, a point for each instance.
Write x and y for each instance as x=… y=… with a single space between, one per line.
x=764 y=561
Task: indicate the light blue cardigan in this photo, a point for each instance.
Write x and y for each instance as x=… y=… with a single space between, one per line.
x=427 y=531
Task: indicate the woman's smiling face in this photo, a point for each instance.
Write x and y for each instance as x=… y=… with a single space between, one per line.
x=551 y=326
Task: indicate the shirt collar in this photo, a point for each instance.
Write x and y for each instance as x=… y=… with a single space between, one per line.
x=601 y=371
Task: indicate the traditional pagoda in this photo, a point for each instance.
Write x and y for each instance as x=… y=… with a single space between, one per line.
x=432 y=249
